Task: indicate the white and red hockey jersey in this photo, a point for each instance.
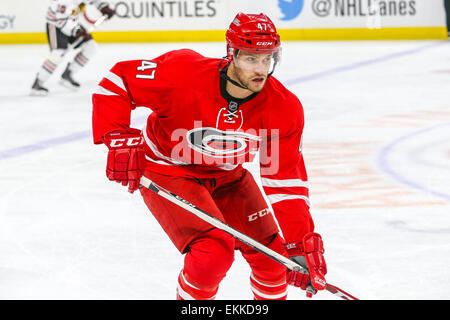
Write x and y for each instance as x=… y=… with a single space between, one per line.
x=197 y=129
x=64 y=14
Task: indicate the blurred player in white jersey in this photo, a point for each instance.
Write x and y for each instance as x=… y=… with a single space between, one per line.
x=64 y=29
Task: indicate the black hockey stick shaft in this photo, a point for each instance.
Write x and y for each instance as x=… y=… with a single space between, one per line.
x=175 y=199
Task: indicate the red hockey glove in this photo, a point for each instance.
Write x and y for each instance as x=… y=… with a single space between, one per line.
x=106 y=10
x=126 y=158
x=309 y=254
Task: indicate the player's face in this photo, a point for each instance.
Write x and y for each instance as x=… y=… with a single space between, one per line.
x=252 y=69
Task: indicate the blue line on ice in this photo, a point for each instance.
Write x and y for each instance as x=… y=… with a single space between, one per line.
x=18 y=151
x=361 y=64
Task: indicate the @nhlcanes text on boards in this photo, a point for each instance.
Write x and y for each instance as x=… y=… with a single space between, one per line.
x=361 y=8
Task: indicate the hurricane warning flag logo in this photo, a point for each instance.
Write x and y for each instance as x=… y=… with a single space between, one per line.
x=290 y=8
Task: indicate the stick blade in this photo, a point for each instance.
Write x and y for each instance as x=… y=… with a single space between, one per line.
x=339 y=292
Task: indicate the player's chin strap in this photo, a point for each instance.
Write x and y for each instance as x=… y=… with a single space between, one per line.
x=223 y=73
x=205 y=216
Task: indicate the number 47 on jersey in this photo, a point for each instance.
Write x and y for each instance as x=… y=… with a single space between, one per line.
x=146 y=65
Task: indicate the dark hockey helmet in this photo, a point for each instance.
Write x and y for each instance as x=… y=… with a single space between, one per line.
x=253 y=33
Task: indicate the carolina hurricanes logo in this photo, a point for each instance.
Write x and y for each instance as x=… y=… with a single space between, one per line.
x=222 y=144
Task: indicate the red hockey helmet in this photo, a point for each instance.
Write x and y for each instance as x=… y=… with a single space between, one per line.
x=253 y=33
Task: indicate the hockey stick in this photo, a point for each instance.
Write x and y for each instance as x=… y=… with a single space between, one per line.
x=90 y=29
x=235 y=233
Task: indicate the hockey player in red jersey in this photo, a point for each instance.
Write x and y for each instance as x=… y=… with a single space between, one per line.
x=64 y=29
x=209 y=117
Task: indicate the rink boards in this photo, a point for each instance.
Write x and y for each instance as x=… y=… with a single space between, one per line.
x=207 y=20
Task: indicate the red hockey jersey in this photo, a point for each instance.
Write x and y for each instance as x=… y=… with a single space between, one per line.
x=197 y=129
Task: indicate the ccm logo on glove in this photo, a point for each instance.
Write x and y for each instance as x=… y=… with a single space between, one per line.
x=129 y=142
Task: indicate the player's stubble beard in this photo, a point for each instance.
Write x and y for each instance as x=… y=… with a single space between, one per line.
x=246 y=80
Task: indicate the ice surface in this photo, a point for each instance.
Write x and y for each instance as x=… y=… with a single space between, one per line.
x=376 y=145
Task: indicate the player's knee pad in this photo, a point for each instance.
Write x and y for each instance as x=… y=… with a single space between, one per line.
x=209 y=258
x=56 y=56
x=263 y=267
x=89 y=48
